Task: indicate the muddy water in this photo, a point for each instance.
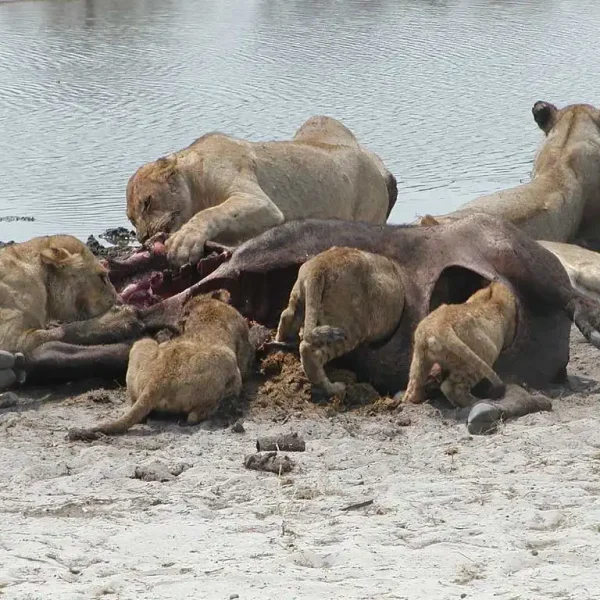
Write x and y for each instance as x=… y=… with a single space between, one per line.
x=441 y=89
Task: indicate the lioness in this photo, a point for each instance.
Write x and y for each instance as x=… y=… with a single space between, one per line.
x=464 y=339
x=228 y=190
x=189 y=374
x=343 y=297
x=49 y=278
x=561 y=203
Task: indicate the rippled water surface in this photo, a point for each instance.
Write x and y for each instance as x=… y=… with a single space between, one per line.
x=441 y=89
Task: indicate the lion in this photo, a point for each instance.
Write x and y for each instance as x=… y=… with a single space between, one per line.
x=50 y=278
x=191 y=373
x=465 y=340
x=228 y=190
x=582 y=266
x=561 y=203
x=342 y=297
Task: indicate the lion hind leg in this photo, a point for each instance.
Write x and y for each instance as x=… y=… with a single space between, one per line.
x=143 y=354
x=210 y=404
x=420 y=367
x=318 y=347
x=466 y=369
x=459 y=357
x=457 y=390
x=291 y=318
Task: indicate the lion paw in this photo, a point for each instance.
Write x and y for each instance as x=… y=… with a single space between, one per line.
x=185 y=246
x=333 y=389
x=410 y=397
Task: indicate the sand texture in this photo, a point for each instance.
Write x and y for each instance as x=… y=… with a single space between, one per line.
x=170 y=512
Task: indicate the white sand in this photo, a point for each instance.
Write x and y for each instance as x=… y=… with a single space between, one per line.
x=510 y=516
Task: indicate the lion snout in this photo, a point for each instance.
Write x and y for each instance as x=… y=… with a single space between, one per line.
x=142 y=236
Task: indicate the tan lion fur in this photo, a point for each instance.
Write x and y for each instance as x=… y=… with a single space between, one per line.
x=229 y=190
x=191 y=373
x=343 y=297
x=465 y=340
x=582 y=266
x=45 y=279
x=561 y=203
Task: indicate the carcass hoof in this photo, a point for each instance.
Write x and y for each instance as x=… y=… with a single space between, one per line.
x=77 y=434
x=7 y=379
x=8 y=400
x=12 y=369
x=483 y=418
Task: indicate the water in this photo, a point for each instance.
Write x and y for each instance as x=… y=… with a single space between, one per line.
x=441 y=89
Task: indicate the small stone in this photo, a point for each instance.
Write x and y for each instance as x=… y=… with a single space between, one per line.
x=234 y=596
x=8 y=400
x=534 y=552
x=7 y=360
x=7 y=378
x=238 y=427
x=157 y=471
x=463 y=595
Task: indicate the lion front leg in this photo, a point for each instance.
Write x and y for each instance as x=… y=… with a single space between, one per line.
x=242 y=216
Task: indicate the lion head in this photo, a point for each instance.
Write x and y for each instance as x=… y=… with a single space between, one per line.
x=77 y=283
x=158 y=198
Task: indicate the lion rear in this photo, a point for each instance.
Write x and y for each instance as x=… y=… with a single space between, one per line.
x=464 y=340
x=331 y=295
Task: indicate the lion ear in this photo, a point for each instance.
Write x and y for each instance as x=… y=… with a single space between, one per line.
x=58 y=257
x=166 y=164
x=428 y=221
x=544 y=115
x=222 y=295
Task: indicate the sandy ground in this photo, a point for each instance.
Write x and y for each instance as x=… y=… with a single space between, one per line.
x=511 y=516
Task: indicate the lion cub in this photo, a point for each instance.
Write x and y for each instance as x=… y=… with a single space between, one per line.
x=344 y=297
x=464 y=339
x=191 y=373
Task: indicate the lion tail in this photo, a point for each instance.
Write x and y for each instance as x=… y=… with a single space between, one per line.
x=313 y=299
x=142 y=407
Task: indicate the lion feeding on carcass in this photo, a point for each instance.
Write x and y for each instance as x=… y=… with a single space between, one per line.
x=443 y=264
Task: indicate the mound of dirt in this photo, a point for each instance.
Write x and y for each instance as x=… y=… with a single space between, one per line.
x=280 y=389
